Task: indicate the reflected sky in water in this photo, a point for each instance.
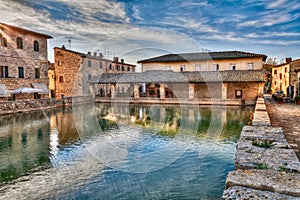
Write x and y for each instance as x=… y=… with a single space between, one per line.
x=123 y=151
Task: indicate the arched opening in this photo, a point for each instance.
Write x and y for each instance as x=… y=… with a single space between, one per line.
x=36 y=46
x=19 y=43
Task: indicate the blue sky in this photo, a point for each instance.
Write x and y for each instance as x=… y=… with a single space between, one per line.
x=138 y=29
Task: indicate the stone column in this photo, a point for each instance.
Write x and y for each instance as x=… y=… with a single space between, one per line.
x=191 y=91
x=224 y=91
x=136 y=92
x=260 y=89
x=162 y=91
x=113 y=90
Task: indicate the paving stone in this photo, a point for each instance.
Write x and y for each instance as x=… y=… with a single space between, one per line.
x=238 y=192
x=268 y=180
x=249 y=156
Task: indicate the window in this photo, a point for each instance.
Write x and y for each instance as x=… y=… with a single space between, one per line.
x=101 y=65
x=133 y=69
x=3 y=41
x=285 y=70
x=61 y=79
x=216 y=67
x=250 y=66
x=89 y=76
x=128 y=68
x=182 y=68
x=36 y=46
x=232 y=66
x=118 y=68
x=110 y=66
x=5 y=71
x=1 y=72
x=37 y=72
x=59 y=63
x=280 y=76
x=198 y=67
x=89 y=63
x=123 y=69
x=19 y=43
x=275 y=71
x=21 y=72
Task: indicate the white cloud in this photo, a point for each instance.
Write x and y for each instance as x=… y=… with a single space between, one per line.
x=277 y=3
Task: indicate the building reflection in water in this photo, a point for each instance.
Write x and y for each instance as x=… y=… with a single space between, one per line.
x=28 y=140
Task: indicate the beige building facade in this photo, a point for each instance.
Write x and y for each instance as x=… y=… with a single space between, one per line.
x=73 y=70
x=285 y=75
x=207 y=61
x=23 y=59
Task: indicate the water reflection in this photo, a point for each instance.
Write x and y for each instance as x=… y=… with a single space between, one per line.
x=59 y=137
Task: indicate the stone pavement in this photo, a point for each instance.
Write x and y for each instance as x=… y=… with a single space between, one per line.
x=287 y=116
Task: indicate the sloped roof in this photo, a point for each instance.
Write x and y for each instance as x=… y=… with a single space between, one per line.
x=91 y=56
x=159 y=76
x=203 y=56
x=25 y=30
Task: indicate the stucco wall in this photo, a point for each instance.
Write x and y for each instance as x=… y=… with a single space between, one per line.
x=249 y=90
x=207 y=65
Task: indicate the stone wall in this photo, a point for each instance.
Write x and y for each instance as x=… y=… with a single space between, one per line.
x=266 y=166
x=74 y=70
x=9 y=107
x=26 y=57
x=67 y=68
x=12 y=57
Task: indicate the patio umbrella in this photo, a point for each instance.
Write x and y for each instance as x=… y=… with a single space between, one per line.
x=26 y=90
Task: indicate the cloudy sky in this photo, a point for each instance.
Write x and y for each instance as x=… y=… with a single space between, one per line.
x=138 y=29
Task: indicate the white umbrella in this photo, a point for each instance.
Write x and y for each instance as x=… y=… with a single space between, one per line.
x=26 y=90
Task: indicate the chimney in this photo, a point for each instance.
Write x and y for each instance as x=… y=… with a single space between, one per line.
x=95 y=54
x=101 y=55
x=89 y=53
x=122 y=60
x=288 y=60
x=116 y=59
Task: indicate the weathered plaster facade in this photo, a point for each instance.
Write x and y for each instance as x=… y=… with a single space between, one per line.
x=209 y=61
x=285 y=75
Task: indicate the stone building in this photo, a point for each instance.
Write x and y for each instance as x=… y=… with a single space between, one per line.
x=23 y=60
x=232 y=87
x=286 y=77
x=205 y=61
x=73 y=70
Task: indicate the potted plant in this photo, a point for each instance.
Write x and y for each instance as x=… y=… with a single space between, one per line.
x=297 y=99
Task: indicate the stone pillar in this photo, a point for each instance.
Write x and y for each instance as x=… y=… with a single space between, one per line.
x=113 y=90
x=136 y=92
x=224 y=91
x=260 y=89
x=162 y=91
x=191 y=91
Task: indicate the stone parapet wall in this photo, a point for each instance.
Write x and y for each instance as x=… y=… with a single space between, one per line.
x=10 y=107
x=266 y=166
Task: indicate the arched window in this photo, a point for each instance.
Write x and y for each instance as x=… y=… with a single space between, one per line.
x=36 y=46
x=19 y=43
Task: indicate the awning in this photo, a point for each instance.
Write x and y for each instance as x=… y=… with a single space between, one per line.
x=26 y=90
x=4 y=91
x=41 y=86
